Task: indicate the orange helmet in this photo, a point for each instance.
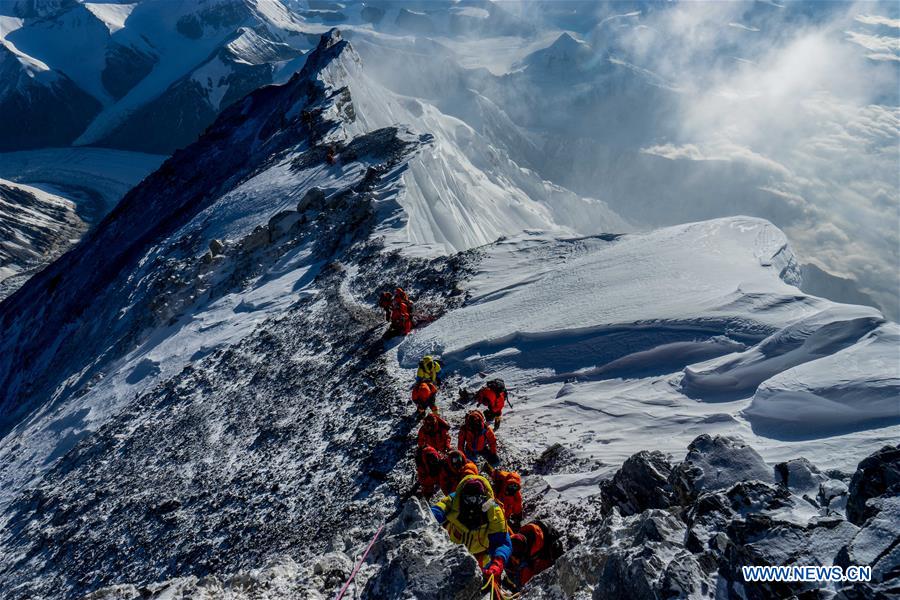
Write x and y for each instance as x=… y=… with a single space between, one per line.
x=422 y=392
x=431 y=457
x=475 y=420
x=508 y=482
x=456 y=459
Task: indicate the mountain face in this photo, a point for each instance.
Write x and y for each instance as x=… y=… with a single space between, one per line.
x=292 y=201
x=35 y=228
x=143 y=76
x=30 y=90
x=53 y=196
x=197 y=399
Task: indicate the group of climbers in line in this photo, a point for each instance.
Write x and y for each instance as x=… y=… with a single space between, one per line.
x=482 y=511
x=398 y=311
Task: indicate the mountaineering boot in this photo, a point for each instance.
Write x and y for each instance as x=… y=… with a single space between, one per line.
x=496 y=423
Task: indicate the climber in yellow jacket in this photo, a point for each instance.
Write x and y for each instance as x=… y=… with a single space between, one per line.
x=472 y=517
x=429 y=370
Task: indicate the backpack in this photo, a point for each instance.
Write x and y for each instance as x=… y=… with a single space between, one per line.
x=553 y=547
x=497 y=386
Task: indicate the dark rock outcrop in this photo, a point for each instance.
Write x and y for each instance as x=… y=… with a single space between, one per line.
x=877 y=475
x=715 y=463
x=641 y=483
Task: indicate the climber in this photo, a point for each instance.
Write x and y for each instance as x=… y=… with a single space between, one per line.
x=424 y=396
x=428 y=470
x=535 y=548
x=401 y=297
x=434 y=432
x=477 y=439
x=455 y=467
x=401 y=321
x=492 y=396
x=472 y=517
x=384 y=302
x=508 y=492
x=429 y=370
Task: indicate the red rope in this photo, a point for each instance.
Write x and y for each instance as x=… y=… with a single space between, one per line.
x=359 y=563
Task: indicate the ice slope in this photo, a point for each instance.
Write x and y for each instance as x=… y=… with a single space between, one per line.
x=605 y=341
x=94 y=178
x=463 y=191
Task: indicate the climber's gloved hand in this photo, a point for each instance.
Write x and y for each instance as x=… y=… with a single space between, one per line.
x=495 y=568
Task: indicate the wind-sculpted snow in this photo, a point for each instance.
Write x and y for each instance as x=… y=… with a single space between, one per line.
x=853 y=389
x=610 y=341
x=820 y=335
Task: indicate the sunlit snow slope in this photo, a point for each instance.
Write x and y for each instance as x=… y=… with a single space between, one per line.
x=614 y=344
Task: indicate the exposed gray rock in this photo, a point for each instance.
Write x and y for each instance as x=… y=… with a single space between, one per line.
x=800 y=476
x=833 y=495
x=646 y=556
x=420 y=561
x=877 y=544
x=313 y=198
x=282 y=222
x=281 y=579
x=761 y=540
x=715 y=463
x=216 y=247
x=641 y=483
x=877 y=475
x=258 y=238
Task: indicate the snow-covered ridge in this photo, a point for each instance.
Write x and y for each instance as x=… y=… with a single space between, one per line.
x=331 y=127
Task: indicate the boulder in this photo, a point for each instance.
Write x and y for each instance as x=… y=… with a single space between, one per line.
x=759 y=539
x=833 y=495
x=800 y=476
x=257 y=238
x=281 y=223
x=647 y=556
x=715 y=463
x=420 y=561
x=877 y=475
x=641 y=483
x=313 y=198
x=877 y=544
x=216 y=247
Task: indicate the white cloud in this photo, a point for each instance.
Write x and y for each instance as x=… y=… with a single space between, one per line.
x=878 y=20
x=742 y=26
x=818 y=114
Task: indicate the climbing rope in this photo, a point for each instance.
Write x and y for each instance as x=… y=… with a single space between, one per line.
x=359 y=563
x=496 y=592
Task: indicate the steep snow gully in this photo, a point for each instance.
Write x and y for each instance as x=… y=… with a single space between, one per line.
x=197 y=402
